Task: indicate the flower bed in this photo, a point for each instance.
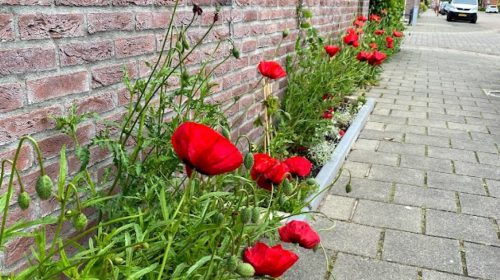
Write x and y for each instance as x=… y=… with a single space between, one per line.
x=180 y=200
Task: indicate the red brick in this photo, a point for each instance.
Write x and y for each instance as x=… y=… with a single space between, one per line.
x=110 y=21
x=11 y=96
x=51 y=146
x=80 y=53
x=6 y=29
x=152 y=20
x=17 y=250
x=96 y=104
x=131 y=2
x=81 y=3
x=108 y=75
x=24 y=160
x=42 y=26
x=57 y=86
x=26 y=60
x=11 y=128
x=26 y=2
x=126 y=47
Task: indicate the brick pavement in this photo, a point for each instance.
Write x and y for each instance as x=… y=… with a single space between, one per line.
x=425 y=203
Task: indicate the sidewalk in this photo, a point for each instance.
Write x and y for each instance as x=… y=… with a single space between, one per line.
x=425 y=170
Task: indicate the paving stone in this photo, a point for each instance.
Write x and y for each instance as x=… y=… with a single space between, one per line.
x=479 y=170
x=436 y=275
x=423 y=251
x=405 y=114
x=406 y=128
x=480 y=146
x=363 y=188
x=461 y=226
x=348 y=237
x=425 y=197
x=401 y=148
x=429 y=123
x=388 y=215
x=375 y=126
x=411 y=103
x=374 y=157
x=451 y=154
x=311 y=265
x=381 y=135
x=427 y=109
x=387 y=119
x=427 y=140
x=381 y=112
x=397 y=175
x=493 y=187
x=348 y=267
x=460 y=112
x=366 y=144
x=480 y=205
x=449 y=133
x=455 y=182
x=338 y=207
x=468 y=127
x=356 y=169
x=483 y=261
x=487 y=158
x=426 y=163
x=391 y=106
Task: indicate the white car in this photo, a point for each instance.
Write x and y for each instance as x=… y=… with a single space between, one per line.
x=462 y=9
x=491 y=9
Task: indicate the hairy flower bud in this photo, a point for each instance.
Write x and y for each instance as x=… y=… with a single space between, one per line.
x=24 y=200
x=255 y=215
x=246 y=215
x=80 y=221
x=235 y=52
x=286 y=32
x=245 y=270
x=248 y=161
x=311 y=182
x=44 y=187
x=287 y=187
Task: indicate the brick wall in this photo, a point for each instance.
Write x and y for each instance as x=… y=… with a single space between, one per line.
x=55 y=53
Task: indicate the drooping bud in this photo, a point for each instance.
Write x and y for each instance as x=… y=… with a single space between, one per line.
x=245 y=270
x=255 y=215
x=226 y=132
x=287 y=187
x=24 y=200
x=307 y=13
x=232 y=263
x=286 y=32
x=311 y=182
x=118 y=260
x=80 y=221
x=248 y=161
x=305 y=25
x=246 y=215
x=44 y=187
x=235 y=52
x=218 y=218
x=197 y=10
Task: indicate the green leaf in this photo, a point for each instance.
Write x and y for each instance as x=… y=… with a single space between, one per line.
x=142 y=272
x=199 y=263
x=83 y=155
x=63 y=170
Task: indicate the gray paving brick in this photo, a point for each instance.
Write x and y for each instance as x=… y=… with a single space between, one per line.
x=427 y=109
x=401 y=148
x=397 y=175
x=426 y=163
x=366 y=144
x=406 y=128
x=460 y=112
x=480 y=205
x=429 y=123
x=436 y=275
x=381 y=111
x=348 y=267
x=374 y=157
x=478 y=170
x=451 y=154
x=450 y=133
x=309 y=261
x=425 y=197
x=427 y=140
x=405 y=114
x=356 y=169
x=468 y=127
x=411 y=103
x=487 y=158
x=387 y=119
x=388 y=215
x=483 y=261
x=494 y=129
x=381 y=135
x=375 y=126
x=445 y=117
x=348 y=237
x=338 y=207
x=423 y=251
x=391 y=106
x=493 y=187
x=461 y=226
x=363 y=188
x=480 y=146
x=455 y=182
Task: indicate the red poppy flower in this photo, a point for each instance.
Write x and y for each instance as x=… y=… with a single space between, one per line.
x=267 y=171
x=298 y=165
x=379 y=31
x=363 y=56
x=362 y=18
x=332 y=50
x=341 y=133
x=358 y=23
x=373 y=46
x=272 y=261
x=327 y=96
x=351 y=37
x=205 y=150
x=271 y=69
x=375 y=18
x=390 y=42
x=355 y=44
x=396 y=33
x=376 y=58
x=327 y=115
x=299 y=232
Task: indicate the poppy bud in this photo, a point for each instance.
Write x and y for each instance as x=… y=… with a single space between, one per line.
x=145 y=245
x=281 y=200
x=236 y=53
x=216 y=16
x=307 y=13
x=218 y=218
x=44 y=187
x=287 y=187
x=286 y=32
x=197 y=10
x=179 y=46
x=348 y=188
x=246 y=215
x=69 y=213
x=118 y=260
x=255 y=215
x=245 y=270
x=24 y=200
x=311 y=182
x=305 y=25
x=185 y=42
x=248 y=160
x=226 y=132
x=80 y=221
x=232 y=263
x=287 y=116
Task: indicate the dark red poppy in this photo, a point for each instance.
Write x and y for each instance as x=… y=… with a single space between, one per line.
x=355 y=44
x=327 y=115
x=362 y=18
x=373 y=46
x=327 y=96
x=351 y=37
x=375 y=18
x=341 y=133
x=205 y=150
x=332 y=50
x=358 y=23
x=390 y=42
x=379 y=31
x=298 y=165
x=271 y=69
x=396 y=33
x=363 y=56
x=376 y=58
x=299 y=232
x=267 y=171
x=272 y=261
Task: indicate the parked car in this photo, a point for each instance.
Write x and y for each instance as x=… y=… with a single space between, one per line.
x=441 y=7
x=462 y=9
x=491 y=9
